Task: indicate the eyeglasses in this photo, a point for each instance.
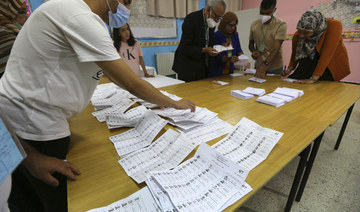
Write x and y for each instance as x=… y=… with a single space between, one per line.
x=232 y=25
x=217 y=17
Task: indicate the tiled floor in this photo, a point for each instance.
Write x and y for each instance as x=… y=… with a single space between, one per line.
x=334 y=182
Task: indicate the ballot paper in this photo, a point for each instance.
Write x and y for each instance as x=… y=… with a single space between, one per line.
x=255 y=79
x=254 y=91
x=141 y=136
x=220 y=82
x=206 y=182
x=119 y=108
x=170 y=112
x=235 y=74
x=241 y=94
x=289 y=79
x=128 y=119
x=165 y=153
x=221 y=48
x=283 y=97
x=151 y=105
x=141 y=200
x=271 y=100
x=209 y=131
x=248 y=144
x=100 y=103
x=289 y=92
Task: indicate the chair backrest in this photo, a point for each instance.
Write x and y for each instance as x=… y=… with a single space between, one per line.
x=164 y=62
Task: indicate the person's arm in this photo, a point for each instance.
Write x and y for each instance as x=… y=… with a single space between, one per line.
x=42 y=166
x=292 y=63
x=138 y=87
x=142 y=63
x=254 y=52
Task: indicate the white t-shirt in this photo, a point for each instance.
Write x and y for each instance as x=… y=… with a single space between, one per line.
x=51 y=74
x=5 y=188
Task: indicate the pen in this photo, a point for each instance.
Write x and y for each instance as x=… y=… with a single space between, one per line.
x=284 y=71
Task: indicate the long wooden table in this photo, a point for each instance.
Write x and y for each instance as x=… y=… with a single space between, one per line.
x=103 y=181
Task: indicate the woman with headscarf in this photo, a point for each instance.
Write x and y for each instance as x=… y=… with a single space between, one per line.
x=318 y=51
x=13 y=15
x=226 y=35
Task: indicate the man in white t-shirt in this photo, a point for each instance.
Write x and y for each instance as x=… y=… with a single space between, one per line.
x=53 y=69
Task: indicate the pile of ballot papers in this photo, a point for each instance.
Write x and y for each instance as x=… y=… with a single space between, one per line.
x=280 y=96
x=248 y=93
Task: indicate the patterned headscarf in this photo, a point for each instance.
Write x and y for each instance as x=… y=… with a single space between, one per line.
x=312 y=20
x=8 y=11
x=228 y=17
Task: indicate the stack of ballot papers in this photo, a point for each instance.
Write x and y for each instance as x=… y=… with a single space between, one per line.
x=255 y=79
x=241 y=94
x=248 y=92
x=280 y=96
x=221 y=48
x=207 y=182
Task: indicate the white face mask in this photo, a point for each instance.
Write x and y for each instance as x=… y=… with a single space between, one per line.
x=211 y=23
x=265 y=18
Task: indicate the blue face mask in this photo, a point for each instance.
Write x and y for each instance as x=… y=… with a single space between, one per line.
x=120 y=18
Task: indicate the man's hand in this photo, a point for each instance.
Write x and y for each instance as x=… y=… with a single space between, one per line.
x=42 y=167
x=255 y=54
x=261 y=71
x=184 y=104
x=234 y=59
x=305 y=81
x=148 y=75
x=210 y=51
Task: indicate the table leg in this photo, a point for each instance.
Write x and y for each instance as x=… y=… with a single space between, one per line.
x=347 y=117
x=299 y=172
x=309 y=165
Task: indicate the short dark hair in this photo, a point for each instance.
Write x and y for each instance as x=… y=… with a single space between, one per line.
x=267 y=4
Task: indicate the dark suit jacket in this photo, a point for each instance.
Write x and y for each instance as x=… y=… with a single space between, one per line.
x=189 y=62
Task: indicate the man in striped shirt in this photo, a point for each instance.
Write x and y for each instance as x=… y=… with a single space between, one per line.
x=13 y=15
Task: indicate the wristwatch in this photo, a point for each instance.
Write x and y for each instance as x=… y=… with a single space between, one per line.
x=266 y=63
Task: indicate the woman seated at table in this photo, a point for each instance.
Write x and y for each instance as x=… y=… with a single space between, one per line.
x=226 y=36
x=318 y=51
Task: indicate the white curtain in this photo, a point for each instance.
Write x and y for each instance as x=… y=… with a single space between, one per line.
x=233 y=5
x=171 y=8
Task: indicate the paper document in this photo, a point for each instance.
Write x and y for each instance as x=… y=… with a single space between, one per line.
x=165 y=153
x=128 y=119
x=209 y=131
x=248 y=144
x=205 y=182
x=241 y=94
x=235 y=74
x=271 y=100
x=141 y=136
x=221 y=48
x=255 y=79
x=220 y=82
x=289 y=80
x=141 y=200
x=250 y=71
x=289 y=92
x=254 y=91
x=118 y=108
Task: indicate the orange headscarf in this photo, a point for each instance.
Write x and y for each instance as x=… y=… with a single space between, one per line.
x=228 y=17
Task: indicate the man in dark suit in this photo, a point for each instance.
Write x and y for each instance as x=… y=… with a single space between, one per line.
x=192 y=57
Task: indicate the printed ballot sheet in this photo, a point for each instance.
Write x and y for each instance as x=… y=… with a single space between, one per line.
x=248 y=144
x=118 y=108
x=128 y=119
x=165 y=153
x=141 y=136
x=206 y=182
x=209 y=131
x=138 y=201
